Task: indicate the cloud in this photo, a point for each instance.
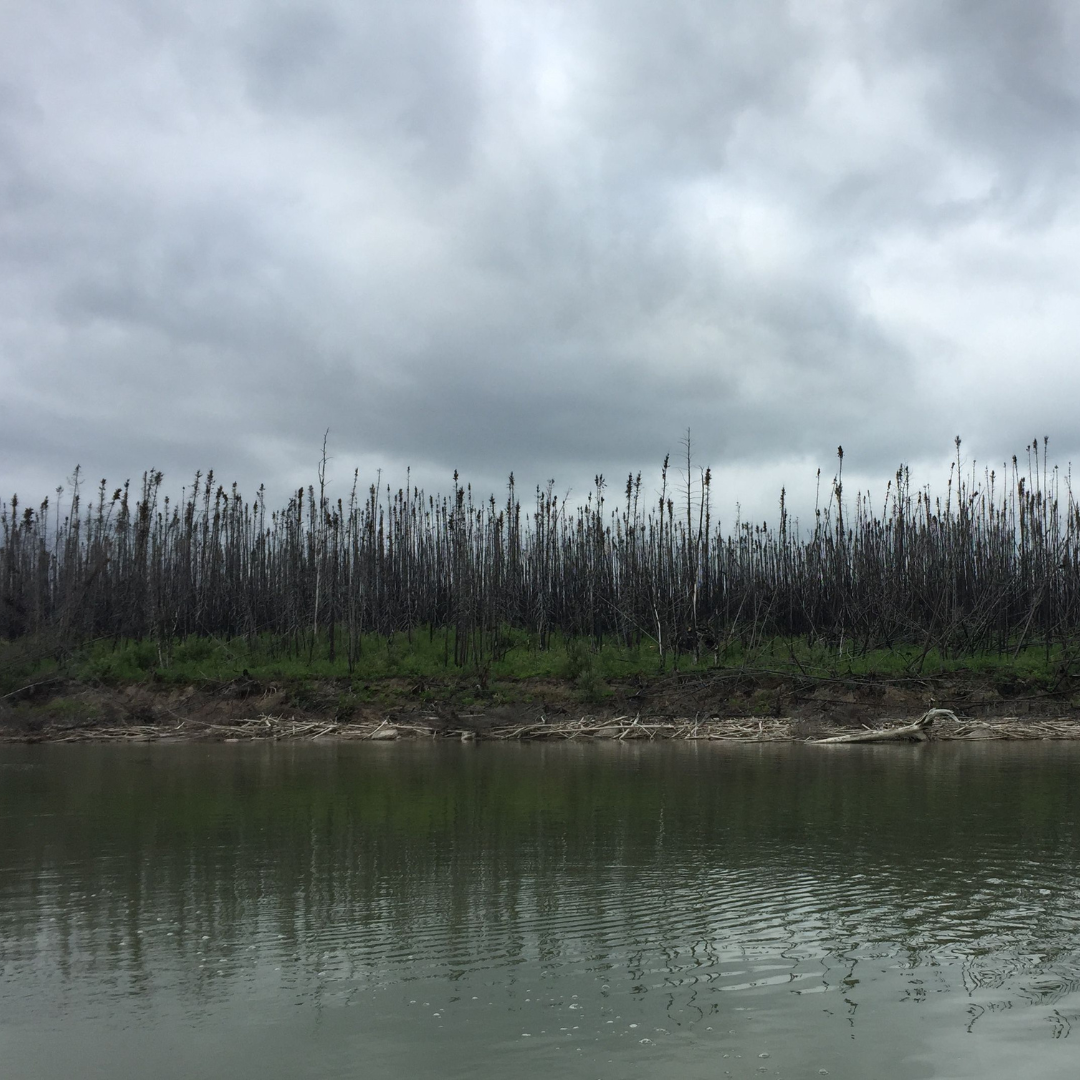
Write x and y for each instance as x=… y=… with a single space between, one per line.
x=1003 y=80
x=534 y=236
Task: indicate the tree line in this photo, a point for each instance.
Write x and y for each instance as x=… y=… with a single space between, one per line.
x=989 y=565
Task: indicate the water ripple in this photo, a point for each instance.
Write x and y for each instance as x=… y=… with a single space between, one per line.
x=609 y=922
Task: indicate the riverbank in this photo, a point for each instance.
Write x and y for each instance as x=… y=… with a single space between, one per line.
x=734 y=704
x=586 y=729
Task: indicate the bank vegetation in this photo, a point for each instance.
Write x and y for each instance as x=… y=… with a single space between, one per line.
x=989 y=567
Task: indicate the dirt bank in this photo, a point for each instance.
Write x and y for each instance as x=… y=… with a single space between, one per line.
x=725 y=704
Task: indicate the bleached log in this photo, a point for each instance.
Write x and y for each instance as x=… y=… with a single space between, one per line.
x=919 y=731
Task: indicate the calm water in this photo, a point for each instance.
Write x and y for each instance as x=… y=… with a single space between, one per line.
x=535 y=911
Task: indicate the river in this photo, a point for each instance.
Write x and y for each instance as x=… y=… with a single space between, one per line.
x=617 y=911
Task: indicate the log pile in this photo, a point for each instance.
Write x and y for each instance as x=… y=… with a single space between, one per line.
x=946 y=727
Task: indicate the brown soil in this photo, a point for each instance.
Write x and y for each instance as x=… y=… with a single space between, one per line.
x=733 y=701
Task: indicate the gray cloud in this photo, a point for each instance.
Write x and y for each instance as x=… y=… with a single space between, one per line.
x=402 y=73
x=533 y=236
x=1004 y=77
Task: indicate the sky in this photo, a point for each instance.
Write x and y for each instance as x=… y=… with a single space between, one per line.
x=536 y=236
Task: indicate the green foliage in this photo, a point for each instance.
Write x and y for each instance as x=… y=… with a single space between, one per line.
x=416 y=666
x=578 y=659
x=131 y=662
x=193 y=650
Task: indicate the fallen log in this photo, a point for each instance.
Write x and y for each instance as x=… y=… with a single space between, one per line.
x=919 y=731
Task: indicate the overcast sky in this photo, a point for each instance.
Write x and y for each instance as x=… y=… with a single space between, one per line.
x=536 y=236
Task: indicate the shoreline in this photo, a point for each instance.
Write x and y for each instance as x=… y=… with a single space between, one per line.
x=475 y=729
x=722 y=705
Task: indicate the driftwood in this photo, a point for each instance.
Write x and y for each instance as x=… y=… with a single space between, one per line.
x=384 y=733
x=583 y=729
x=919 y=731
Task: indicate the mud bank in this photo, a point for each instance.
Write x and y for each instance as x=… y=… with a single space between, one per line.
x=725 y=705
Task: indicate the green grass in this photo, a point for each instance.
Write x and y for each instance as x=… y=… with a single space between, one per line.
x=820 y=660
x=421 y=666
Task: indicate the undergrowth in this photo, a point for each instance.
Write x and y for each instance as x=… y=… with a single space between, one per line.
x=422 y=664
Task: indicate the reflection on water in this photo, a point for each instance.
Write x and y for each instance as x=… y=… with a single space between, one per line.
x=613 y=911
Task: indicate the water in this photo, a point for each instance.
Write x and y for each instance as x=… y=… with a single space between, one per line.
x=622 y=911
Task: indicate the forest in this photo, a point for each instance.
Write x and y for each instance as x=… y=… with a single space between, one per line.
x=988 y=567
